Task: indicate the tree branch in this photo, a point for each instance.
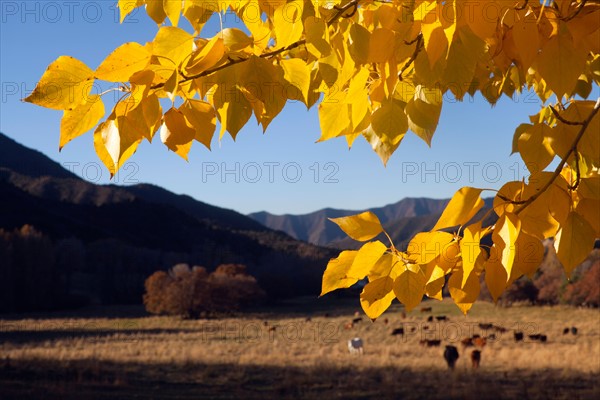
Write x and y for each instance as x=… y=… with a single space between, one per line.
x=560 y=166
x=414 y=55
x=339 y=14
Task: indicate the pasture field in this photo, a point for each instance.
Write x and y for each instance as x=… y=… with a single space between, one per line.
x=278 y=353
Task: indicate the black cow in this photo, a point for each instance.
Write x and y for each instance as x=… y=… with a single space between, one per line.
x=475 y=358
x=518 y=336
x=451 y=355
x=398 y=331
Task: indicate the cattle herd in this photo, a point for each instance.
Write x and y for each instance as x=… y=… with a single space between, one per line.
x=474 y=343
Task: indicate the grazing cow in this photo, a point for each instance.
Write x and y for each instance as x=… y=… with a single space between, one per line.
x=348 y=326
x=467 y=342
x=403 y=315
x=355 y=346
x=430 y=318
x=566 y=331
x=426 y=309
x=475 y=358
x=486 y=326
x=425 y=327
x=266 y=323
x=356 y=320
x=308 y=319
x=451 y=355
x=537 y=336
x=441 y=318
x=272 y=328
x=326 y=315
x=398 y=331
x=574 y=330
x=430 y=343
x=413 y=329
x=386 y=321
x=543 y=338
x=479 y=342
x=518 y=336
x=500 y=329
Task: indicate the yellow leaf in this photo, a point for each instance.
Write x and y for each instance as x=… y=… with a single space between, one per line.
x=527 y=39
x=235 y=40
x=560 y=63
x=462 y=207
x=389 y=120
x=172 y=44
x=200 y=116
x=208 y=57
x=433 y=289
x=366 y=259
x=357 y=96
x=127 y=6
x=464 y=295
x=316 y=37
x=530 y=254
x=77 y=121
x=535 y=149
x=112 y=146
x=513 y=191
x=383 y=267
x=495 y=274
x=589 y=188
x=66 y=83
x=176 y=134
x=470 y=249
x=261 y=34
x=381 y=45
x=505 y=237
x=155 y=10
x=361 y=227
x=427 y=246
x=466 y=52
x=542 y=217
x=382 y=146
x=589 y=209
x=233 y=109
x=574 y=241
x=377 y=296
x=359 y=48
x=409 y=288
x=335 y=275
x=423 y=112
x=287 y=21
x=172 y=9
x=334 y=118
x=297 y=74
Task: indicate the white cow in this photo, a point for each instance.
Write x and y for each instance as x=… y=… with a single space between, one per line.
x=355 y=346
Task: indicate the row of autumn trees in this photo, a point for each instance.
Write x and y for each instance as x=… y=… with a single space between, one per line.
x=194 y=292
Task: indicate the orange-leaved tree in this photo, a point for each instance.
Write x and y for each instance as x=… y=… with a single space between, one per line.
x=380 y=68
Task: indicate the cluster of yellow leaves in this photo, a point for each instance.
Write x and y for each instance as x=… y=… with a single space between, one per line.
x=380 y=68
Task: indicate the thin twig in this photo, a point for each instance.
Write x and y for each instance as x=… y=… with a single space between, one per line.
x=230 y=62
x=560 y=166
x=413 y=57
x=561 y=119
x=519 y=8
x=577 y=11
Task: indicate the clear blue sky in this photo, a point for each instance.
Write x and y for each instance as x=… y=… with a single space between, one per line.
x=471 y=146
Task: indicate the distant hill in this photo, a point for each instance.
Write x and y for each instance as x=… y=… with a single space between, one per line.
x=127 y=233
x=317 y=229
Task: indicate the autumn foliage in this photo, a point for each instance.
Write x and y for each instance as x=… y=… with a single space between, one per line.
x=380 y=69
x=193 y=292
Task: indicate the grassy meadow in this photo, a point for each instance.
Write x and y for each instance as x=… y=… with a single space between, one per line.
x=298 y=350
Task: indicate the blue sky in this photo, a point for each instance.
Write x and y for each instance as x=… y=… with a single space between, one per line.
x=283 y=171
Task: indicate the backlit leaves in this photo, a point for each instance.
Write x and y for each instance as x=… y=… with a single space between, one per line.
x=361 y=227
x=379 y=69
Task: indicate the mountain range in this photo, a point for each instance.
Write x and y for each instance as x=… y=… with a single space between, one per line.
x=401 y=220
x=124 y=233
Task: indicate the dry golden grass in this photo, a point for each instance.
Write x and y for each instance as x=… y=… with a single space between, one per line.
x=164 y=357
